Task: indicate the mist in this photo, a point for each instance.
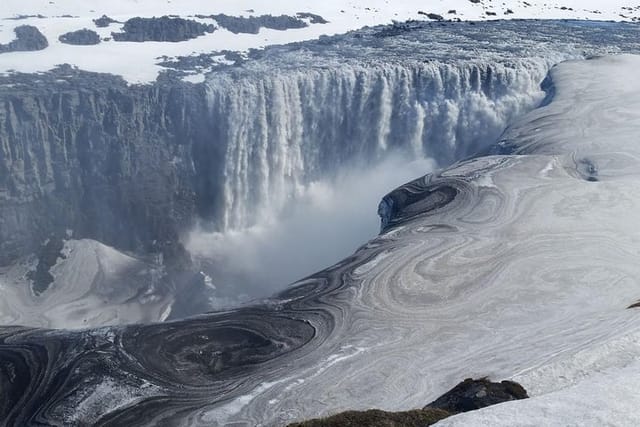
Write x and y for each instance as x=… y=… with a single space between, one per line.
x=328 y=222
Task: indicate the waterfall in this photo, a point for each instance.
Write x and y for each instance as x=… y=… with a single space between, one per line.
x=287 y=129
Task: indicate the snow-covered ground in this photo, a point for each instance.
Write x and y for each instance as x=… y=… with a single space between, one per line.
x=93 y=284
x=593 y=383
x=138 y=62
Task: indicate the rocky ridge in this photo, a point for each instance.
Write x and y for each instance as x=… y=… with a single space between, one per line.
x=110 y=161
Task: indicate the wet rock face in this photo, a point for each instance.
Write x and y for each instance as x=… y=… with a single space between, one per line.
x=163 y=29
x=83 y=37
x=475 y=394
x=28 y=38
x=112 y=162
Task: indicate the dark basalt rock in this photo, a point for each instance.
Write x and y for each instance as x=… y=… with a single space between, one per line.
x=377 y=418
x=467 y=396
x=122 y=163
x=48 y=256
x=84 y=37
x=252 y=24
x=163 y=29
x=21 y=17
x=475 y=394
x=28 y=38
x=398 y=28
x=313 y=18
x=587 y=170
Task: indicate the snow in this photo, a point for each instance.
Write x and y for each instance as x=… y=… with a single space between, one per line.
x=532 y=286
x=138 y=62
x=94 y=285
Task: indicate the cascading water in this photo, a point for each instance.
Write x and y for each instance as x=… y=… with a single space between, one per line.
x=285 y=130
x=310 y=152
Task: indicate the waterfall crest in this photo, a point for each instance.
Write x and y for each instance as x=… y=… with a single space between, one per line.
x=285 y=130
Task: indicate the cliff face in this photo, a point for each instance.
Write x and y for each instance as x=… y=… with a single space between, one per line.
x=133 y=166
x=90 y=154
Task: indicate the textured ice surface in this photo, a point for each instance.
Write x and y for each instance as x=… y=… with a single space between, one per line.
x=93 y=285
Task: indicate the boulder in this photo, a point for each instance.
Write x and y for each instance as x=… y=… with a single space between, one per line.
x=475 y=394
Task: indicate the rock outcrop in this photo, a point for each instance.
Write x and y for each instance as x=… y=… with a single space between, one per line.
x=28 y=38
x=473 y=394
x=104 y=21
x=467 y=396
x=84 y=37
x=163 y=29
x=253 y=24
x=117 y=163
x=312 y=17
